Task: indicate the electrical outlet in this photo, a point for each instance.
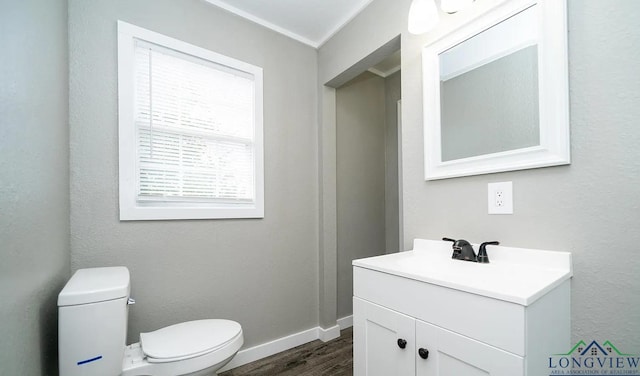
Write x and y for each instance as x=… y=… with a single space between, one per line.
x=500 y=198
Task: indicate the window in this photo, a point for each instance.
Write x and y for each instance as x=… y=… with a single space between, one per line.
x=190 y=130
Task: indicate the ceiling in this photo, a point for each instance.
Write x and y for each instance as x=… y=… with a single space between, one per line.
x=311 y=22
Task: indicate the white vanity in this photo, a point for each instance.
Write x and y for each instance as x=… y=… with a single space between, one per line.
x=423 y=313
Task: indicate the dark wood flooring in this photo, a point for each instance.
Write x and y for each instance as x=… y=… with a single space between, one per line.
x=317 y=358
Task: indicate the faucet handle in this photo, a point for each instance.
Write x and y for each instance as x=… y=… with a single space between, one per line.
x=456 y=251
x=483 y=258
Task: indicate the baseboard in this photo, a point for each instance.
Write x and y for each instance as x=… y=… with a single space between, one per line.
x=345 y=322
x=325 y=335
x=270 y=348
x=285 y=343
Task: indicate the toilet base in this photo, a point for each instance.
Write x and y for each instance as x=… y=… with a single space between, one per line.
x=211 y=371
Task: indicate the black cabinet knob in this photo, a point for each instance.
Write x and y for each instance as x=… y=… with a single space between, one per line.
x=402 y=343
x=424 y=353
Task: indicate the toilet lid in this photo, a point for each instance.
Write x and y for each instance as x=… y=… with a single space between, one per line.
x=188 y=339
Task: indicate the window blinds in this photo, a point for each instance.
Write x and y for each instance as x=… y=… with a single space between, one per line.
x=195 y=128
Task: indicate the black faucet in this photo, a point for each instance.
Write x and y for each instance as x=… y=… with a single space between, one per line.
x=463 y=250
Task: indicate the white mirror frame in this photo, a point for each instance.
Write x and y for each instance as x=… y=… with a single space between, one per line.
x=554 y=148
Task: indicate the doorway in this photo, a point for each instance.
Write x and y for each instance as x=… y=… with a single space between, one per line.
x=367 y=171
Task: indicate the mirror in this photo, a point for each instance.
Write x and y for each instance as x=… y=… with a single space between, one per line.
x=496 y=92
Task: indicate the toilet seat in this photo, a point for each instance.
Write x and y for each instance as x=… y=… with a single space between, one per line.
x=184 y=349
x=188 y=340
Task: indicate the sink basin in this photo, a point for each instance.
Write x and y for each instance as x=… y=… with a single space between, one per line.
x=517 y=275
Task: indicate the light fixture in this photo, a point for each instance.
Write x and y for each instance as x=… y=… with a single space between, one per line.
x=423 y=16
x=452 y=6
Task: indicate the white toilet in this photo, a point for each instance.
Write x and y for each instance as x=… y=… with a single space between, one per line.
x=92 y=331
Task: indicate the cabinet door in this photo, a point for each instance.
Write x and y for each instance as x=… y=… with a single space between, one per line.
x=376 y=332
x=451 y=354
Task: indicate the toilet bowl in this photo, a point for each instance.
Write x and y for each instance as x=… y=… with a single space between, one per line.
x=189 y=348
x=93 y=315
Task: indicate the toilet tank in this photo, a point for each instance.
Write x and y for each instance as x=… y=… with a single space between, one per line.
x=92 y=322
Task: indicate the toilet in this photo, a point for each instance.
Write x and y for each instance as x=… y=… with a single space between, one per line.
x=92 y=330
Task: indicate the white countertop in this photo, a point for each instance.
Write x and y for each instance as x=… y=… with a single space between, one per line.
x=516 y=275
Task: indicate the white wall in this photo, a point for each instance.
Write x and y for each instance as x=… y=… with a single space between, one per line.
x=589 y=208
x=34 y=182
x=261 y=272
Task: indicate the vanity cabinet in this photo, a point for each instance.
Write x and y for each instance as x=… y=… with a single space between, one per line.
x=428 y=349
x=406 y=324
x=377 y=346
x=454 y=354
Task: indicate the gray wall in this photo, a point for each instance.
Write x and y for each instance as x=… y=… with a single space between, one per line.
x=589 y=207
x=190 y=269
x=262 y=273
x=392 y=92
x=360 y=118
x=367 y=175
x=34 y=187
x=355 y=48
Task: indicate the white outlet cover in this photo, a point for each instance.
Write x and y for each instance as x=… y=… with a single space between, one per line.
x=500 y=198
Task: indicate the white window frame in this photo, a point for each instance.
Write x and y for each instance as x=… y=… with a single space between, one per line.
x=130 y=207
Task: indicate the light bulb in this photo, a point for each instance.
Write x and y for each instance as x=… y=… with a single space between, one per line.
x=452 y=6
x=423 y=16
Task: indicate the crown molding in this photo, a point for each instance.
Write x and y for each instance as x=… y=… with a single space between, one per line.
x=286 y=32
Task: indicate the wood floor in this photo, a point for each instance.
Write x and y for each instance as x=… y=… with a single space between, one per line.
x=317 y=358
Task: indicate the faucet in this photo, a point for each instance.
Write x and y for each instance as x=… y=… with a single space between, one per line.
x=463 y=250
